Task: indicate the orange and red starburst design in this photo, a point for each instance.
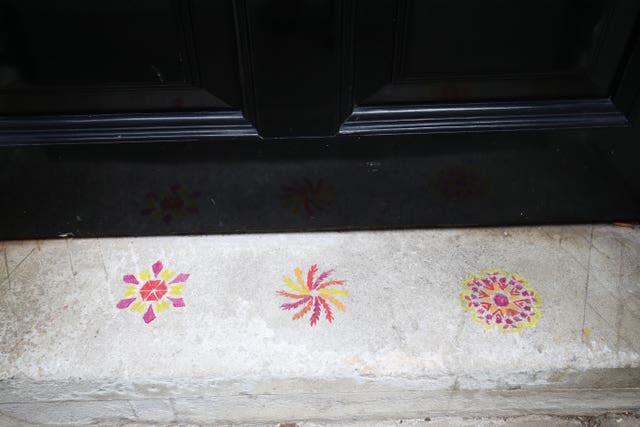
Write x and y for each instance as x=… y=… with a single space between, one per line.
x=501 y=300
x=315 y=295
x=153 y=291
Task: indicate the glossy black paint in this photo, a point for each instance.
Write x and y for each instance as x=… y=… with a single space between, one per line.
x=247 y=186
x=74 y=56
x=435 y=118
x=119 y=128
x=271 y=115
x=292 y=57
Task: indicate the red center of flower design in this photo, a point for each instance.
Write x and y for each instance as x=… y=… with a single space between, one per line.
x=501 y=300
x=153 y=290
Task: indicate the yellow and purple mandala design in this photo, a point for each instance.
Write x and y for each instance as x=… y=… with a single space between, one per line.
x=501 y=300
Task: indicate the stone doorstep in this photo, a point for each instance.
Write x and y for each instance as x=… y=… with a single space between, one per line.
x=222 y=350
x=626 y=419
x=268 y=409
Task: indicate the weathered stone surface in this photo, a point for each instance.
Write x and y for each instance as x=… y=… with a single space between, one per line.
x=528 y=421
x=617 y=420
x=404 y=346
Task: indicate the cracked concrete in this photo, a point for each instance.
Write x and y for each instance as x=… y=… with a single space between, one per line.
x=404 y=347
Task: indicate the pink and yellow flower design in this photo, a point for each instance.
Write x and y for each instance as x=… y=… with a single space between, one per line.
x=153 y=291
x=501 y=300
x=316 y=294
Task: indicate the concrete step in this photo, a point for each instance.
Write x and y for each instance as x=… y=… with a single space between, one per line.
x=606 y=420
x=196 y=329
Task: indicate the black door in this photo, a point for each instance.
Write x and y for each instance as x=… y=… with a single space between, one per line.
x=195 y=116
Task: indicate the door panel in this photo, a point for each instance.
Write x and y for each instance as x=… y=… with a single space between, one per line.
x=139 y=117
x=73 y=56
x=450 y=61
x=147 y=52
x=538 y=37
x=462 y=51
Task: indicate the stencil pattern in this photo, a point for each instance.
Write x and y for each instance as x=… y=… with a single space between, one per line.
x=501 y=300
x=315 y=295
x=153 y=291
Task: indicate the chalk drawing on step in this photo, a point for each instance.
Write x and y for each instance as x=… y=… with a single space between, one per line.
x=501 y=300
x=153 y=291
x=314 y=295
x=176 y=201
